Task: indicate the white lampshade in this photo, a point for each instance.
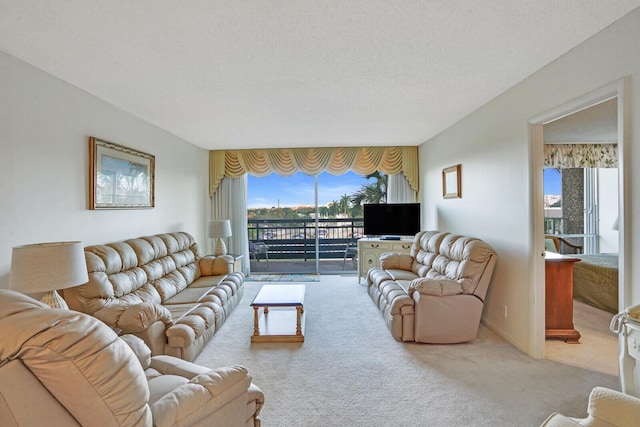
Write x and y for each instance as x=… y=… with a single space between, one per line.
x=46 y=267
x=218 y=229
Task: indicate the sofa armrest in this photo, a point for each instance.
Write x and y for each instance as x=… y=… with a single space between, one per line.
x=606 y=407
x=436 y=287
x=203 y=395
x=396 y=261
x=169 y=365
x=256 y=395
x=134 y=318
x=613 y=406
x=216 y=265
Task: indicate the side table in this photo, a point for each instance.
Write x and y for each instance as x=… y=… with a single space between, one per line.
x=237 y=261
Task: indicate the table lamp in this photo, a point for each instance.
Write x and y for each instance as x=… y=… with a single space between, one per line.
x=219 y=229
x=46 y=267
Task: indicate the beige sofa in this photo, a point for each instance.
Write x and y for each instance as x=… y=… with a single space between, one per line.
x=160 y=288
x=436 y=293
x=64 y=368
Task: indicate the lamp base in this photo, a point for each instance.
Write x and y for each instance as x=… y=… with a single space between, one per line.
x=220 y=248
x=53 y=300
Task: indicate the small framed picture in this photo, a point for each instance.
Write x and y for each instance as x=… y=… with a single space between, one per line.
x=120 y=177
x=451 y=182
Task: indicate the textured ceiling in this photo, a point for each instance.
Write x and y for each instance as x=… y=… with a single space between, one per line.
x=298 y=73
x=598 y=123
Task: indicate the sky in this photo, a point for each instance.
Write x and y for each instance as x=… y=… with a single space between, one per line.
x=275 y=190
x=299 y=189
x=552 y=181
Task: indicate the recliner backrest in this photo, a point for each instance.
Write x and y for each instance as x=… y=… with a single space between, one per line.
x=148 y=269
x=442 y=255
x=82 y=363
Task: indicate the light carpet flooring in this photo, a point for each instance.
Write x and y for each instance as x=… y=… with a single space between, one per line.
x=350 y=371
x=598 y=347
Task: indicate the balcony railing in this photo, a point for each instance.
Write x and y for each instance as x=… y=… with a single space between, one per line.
x=553 y=225
x=296 y=238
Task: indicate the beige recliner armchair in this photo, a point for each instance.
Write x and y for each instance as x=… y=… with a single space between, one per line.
x=435 y=294
x=65 y=368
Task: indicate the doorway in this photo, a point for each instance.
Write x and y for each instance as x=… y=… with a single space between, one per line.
x=541 y=132
x=581 y=216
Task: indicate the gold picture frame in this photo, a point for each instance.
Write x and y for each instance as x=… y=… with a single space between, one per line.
x=120 y=177
x=451 y=182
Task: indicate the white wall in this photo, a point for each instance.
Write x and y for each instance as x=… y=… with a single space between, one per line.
x=607 y=209
x=493 y=146
x=45 y=125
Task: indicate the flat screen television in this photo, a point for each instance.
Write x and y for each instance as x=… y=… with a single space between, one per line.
x=391 y=219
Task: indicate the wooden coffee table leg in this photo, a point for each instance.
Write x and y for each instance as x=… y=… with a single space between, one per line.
x=256 y=328
x=298 y=320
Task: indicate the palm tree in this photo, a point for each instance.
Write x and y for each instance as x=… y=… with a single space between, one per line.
x=333 y=209
x=375 y=192
x=344 y=204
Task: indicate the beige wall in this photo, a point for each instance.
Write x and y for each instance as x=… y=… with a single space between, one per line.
x=493 y=146
x=44 y=128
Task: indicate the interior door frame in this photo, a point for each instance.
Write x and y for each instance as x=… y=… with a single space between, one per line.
x=617 y=90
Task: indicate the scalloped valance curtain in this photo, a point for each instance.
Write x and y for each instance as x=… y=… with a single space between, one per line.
x=312 y=161
x=581 y=155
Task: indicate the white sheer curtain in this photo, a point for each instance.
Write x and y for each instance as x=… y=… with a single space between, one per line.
x=230 y=201
x=399 y=190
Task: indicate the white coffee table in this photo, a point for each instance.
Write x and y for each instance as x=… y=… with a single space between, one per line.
x=282 y=317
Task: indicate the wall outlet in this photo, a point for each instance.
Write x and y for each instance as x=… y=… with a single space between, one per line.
x=504 y=307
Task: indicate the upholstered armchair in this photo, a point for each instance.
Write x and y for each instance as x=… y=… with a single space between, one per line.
x=435 y=294
x=62 y=367
x=606 y=408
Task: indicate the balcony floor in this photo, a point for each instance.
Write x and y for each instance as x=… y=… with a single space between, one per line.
x=325 y=266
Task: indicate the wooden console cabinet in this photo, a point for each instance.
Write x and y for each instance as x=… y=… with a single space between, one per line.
x=559 y=298
x=370 y=249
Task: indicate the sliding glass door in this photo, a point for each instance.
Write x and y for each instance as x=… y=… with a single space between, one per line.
x=303 y=223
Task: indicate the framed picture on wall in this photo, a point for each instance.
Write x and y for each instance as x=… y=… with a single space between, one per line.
x=120 y=177
x=451 y=182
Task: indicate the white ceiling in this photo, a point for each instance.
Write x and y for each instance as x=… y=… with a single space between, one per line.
x=299 y=73
x=596 y=124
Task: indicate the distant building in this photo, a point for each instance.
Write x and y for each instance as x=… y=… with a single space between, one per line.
x=552 y=212
x=551 y=199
